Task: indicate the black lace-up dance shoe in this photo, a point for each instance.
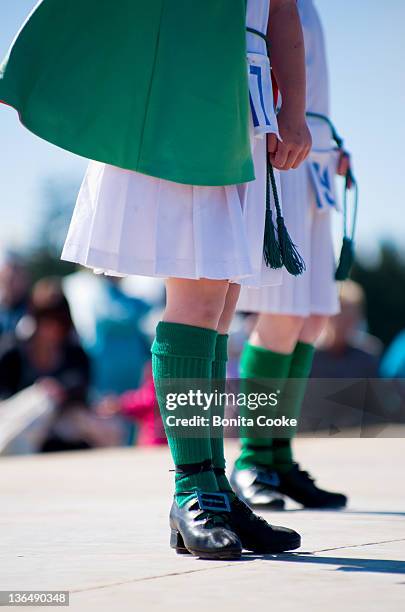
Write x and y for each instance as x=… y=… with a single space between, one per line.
x=257 y=487
x=258 y=535
x=300 y=486
x=202 y=527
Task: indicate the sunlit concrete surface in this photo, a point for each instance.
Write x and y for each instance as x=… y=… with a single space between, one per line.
x=95 y=523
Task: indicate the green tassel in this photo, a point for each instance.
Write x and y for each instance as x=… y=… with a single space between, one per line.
x=271 y=249
x=292 y=260
x=346 y=260
x=288 y=254
x=347 y=253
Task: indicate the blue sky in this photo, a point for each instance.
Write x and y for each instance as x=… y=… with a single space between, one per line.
x=366 y=51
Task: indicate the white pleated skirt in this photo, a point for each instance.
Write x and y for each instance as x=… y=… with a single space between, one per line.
x=127 y=223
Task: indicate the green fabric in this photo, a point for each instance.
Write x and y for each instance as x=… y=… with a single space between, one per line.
x=291 y=403
x=180 y=353
x=260 y=363
x=157 y=86
x=217 y=436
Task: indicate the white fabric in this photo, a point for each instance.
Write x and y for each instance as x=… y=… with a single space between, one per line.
x=128 y=223
x=132 y=223
x=261 y=95
x=306 y=201
x=315 y=58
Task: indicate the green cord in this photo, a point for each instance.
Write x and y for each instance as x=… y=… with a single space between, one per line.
x=258 y=33
x=348 y=178
x=338 y=139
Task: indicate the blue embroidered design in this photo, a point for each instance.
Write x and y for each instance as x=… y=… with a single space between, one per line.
x=324 y=181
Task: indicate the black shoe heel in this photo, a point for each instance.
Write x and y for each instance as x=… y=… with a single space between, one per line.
x=176 y=542
x=201 y=527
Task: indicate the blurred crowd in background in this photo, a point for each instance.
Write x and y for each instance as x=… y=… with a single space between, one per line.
x=75 y=369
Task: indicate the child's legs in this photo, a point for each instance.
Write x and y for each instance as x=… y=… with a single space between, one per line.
x=277 y=332
x=268 y=356
x=195 y=302
x=228 y=311
x=184 y=349
x=219 y=382
x=294 y=393
x=312 y=328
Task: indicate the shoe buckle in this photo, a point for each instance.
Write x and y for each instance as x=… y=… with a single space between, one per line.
x=268 y=478
x=215 y=502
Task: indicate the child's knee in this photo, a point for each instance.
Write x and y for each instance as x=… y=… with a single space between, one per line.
x=278 y=333
x=312 y=328
x=202 y=309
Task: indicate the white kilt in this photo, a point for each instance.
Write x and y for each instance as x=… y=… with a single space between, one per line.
x=128 y=223
x=315 y=291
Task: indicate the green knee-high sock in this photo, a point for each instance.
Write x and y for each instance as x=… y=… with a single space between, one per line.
x=260 y=363
x=291 y=403
x=184 y=352
x=217 y=434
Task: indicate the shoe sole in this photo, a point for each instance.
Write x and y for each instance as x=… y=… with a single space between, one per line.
x=230 y=556
x=293 y=544
x=204 y=555
x=326 y=506
x=261 y=551
x=177 y=543
x=335 y=507
x=182 y=550
x=331 y=506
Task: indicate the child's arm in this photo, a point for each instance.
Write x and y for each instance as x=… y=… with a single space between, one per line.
x=288 y=62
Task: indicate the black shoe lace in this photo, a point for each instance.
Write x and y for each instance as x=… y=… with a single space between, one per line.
x=304 y=474
x=247 y=512
x=214 y=519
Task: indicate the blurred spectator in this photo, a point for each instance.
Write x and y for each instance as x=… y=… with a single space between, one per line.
x=46 y=350
x=241 y=328
x=346 y=350
x=108 y=322
x=44 y=347
x=14 y=289
x=393 y=363
x=393 y=367
x=141 y=407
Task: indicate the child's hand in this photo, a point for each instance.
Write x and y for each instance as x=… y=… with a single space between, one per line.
x=344 y=166
x=108 y=406
x=295 y=146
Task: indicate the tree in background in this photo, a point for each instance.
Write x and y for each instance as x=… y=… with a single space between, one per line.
x=384 y=286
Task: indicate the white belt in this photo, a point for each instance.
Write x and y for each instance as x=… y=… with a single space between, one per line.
x=261 y=95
